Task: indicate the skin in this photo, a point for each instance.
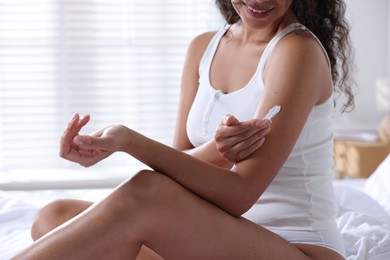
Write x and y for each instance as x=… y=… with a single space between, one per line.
x=191 y=209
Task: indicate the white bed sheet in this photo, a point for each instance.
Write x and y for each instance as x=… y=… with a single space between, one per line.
x=363 y=222
x=18 y=210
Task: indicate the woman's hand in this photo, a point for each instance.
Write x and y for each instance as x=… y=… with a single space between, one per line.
x=88 y=150
x=237 y=140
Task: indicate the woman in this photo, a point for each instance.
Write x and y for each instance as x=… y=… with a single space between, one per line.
x=224 y=197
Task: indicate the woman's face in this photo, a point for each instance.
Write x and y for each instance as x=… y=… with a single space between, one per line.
x=260 y=13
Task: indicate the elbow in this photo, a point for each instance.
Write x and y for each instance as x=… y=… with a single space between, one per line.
x=242 y=204
x=245 y=197
x=238 y=212
x=241 y=196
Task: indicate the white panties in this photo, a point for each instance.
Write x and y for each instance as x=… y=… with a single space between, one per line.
x=330 y=239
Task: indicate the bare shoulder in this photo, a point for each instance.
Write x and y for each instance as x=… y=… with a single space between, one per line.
x=298 y=64
x=203 y=39
x=199 y=44
x=303 y=46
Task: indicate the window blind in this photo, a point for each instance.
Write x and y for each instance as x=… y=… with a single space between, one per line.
x=118 y=60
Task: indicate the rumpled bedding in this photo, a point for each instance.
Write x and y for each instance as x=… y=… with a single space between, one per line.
x=18 y=210
x=364 y=216
x=364 y=225
x=15 y=222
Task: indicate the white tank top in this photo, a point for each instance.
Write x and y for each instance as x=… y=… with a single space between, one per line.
x=301 y=195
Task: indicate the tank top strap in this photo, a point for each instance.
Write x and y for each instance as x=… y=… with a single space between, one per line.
x=205 y=62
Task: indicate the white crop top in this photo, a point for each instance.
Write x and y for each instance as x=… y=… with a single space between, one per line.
x=301 y=195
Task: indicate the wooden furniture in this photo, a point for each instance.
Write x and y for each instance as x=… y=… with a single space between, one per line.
x=358 y=159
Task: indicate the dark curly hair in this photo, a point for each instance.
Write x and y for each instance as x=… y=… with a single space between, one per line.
x=326 y=19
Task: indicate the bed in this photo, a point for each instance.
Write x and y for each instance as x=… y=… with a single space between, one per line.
x=363 y=214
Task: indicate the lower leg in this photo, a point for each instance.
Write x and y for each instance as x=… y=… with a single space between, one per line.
x=100 y=232
x=55 y=214
x=60 y=211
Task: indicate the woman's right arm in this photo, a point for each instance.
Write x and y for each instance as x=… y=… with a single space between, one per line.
x=233 y=140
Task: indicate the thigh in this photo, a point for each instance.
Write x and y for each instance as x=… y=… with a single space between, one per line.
x=182 y=225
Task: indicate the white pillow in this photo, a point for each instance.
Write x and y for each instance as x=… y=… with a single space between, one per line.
x=378 y=184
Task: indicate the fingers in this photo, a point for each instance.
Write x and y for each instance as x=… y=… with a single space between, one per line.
x=238 y=145
x=93 y=142
x=245 y=147
x=236 y=140
x=65 y=145
x=231 y=126
x=81 y=123
x=75 y=125
x=73 y=128
x=241 y=131
x=71 y=125
x=230 y=120
x=258 y=124
x=249 y=150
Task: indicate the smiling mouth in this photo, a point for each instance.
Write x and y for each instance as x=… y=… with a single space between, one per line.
x=258 y=11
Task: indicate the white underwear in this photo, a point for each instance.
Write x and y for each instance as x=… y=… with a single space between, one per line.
x=330 y=239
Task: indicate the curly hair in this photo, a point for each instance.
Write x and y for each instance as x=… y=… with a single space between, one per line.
x=326 y=19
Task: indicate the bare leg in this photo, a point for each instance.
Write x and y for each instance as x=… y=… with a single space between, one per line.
x=56 y=213
x=152 y=209
x=60 y=211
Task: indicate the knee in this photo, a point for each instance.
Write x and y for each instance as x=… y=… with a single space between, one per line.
x=146 y=188
x=49 y=217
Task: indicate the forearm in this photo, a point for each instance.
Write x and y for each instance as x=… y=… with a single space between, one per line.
x=208 y=153
x=220 y=186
